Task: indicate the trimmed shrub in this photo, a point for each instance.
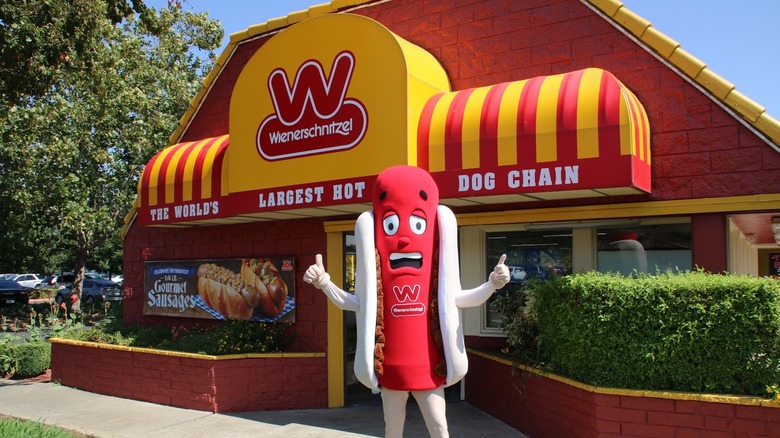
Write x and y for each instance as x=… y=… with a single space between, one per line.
x=694 y=331
x=32 y=358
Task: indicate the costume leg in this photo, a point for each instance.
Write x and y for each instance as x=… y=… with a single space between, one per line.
x=434 y=411
x=394 y=408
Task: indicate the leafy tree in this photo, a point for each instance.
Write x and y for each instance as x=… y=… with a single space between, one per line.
x=42 y=40
x=73 y=154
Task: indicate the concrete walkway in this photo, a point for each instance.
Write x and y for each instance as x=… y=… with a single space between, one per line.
x=112 y=417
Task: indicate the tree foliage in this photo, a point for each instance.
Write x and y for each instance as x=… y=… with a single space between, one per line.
x=41 y=40
x=74 y=146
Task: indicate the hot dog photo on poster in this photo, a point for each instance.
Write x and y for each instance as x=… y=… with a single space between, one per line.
x=248 y=289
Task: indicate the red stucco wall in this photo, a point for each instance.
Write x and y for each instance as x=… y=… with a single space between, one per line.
x=302 y=239
x=232 y=385
x=709 y=242
x=545 y=408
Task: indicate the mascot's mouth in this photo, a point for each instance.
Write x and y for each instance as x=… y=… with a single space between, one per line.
x=405 y=259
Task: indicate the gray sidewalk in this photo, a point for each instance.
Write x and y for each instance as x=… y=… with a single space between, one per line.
x=112 y=417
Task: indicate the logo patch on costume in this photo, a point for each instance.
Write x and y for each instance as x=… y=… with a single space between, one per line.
x=407 y=297
x=313 y=115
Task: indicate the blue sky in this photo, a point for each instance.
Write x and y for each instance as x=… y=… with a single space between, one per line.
x=739 y=40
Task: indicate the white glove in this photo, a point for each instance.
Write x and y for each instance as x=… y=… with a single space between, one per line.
x=316 y=274
x=500 y=275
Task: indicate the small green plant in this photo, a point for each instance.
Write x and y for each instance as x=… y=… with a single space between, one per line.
x=24 y=333
x=518 y=317
x=774 y=392
x=231 y=337
x=32 y=358
x=7 y=359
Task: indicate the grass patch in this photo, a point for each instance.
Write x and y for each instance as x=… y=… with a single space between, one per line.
x=18 y=428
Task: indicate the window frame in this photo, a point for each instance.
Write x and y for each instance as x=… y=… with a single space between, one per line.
x=473 y=253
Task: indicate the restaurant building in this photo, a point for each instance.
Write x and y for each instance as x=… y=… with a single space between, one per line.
x=571 y=135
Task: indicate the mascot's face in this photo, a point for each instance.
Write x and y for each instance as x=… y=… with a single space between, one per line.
x=405 y=201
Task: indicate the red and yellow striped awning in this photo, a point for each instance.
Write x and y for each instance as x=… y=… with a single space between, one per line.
x=579 y=134
x=191 y=171
x=567 y=119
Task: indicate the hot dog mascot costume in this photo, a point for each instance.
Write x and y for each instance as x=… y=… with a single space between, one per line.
x=407 y=296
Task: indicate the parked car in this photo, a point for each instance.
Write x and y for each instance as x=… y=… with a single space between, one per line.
x=93 y=290
x=7 y=276
x=52 y=282
x=536 y=271
x=28 y=280
x=12 y=292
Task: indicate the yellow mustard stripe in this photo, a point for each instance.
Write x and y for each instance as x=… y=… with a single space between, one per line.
x=647 y=134
x=547 y=120
x=225 y=189
x=507 y=123
x=640 y=126
x=588 y=114
x=627 y=146
x=436 y=135
x=470 y=135
x=154 y=175
x=189 y=170
x=208 y=171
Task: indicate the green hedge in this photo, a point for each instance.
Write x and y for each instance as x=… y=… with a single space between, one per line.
x=32 y=358
x=693 y=332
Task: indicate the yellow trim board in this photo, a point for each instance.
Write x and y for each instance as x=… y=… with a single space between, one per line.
x=181 y=354
x=335 y=265
x=731 y=204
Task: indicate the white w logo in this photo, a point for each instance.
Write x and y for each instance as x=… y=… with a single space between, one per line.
x=311 y=87
x=406 y=293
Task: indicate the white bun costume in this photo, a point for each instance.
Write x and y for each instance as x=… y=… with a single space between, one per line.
x=451 y=296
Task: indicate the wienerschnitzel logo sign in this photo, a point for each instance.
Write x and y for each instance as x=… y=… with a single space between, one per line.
x=313 y=115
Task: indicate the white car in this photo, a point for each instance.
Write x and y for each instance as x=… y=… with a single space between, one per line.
x=28 y=280
x=517 y=273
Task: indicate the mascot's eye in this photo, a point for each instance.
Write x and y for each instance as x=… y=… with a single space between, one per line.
x=418 y=224
x=390 y=224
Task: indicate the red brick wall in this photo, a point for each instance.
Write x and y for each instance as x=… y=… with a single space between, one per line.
x=542 y=407
x=230 y=385
x=302 y=239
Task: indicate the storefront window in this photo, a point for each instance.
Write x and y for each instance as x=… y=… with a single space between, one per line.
x=644 y=249
x=529 y=254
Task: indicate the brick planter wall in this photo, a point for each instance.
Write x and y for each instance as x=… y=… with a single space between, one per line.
x=544 y=405
x=234 y=383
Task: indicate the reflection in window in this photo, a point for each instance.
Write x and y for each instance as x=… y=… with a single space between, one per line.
x=529 y=254
x=644 y=249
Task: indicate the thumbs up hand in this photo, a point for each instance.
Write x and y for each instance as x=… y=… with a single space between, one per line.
x=500 y=275
x=316 y=274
